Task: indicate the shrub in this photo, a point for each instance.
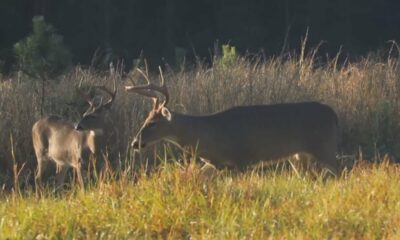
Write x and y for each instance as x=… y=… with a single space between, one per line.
x=228 y=59
x=43 y=53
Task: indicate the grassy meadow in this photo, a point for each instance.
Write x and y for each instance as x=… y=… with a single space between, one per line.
x=132 y=199
x=175 y=203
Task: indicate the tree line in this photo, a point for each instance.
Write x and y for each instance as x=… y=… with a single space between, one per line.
x=166 y=30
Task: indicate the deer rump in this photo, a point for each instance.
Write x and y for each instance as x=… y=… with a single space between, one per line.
x=245 y=135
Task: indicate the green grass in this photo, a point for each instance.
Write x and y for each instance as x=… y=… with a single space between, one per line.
x=176 y=202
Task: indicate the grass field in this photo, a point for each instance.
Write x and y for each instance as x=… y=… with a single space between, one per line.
x=174 y=200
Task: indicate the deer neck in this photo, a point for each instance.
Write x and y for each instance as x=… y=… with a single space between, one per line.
x=186 y=129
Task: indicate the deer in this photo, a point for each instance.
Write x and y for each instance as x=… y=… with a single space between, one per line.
x=68 y=144
x=243 y=135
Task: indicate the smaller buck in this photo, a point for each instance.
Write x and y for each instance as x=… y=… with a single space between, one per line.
x=244 y=135
x=68 y=144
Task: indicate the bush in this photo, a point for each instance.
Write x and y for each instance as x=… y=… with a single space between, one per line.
x=228 y=58
x=43 y=53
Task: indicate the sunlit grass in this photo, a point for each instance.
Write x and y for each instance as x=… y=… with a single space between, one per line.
x=180 y=202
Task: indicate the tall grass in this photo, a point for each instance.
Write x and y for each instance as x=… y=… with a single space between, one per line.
x=365 y=94
x=182 y=201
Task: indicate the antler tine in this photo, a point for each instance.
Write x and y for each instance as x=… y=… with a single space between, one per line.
x=144 y=75
x=112 y=94
x=91 y=107
x=144 y=92
x=149 y=89
x=163 y=86
x=100 y=104
x=86 y=97
x=110 y=101
x=131 y=78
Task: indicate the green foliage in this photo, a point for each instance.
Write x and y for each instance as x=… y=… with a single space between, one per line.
x=229 y=55
x=228 y=58
x=43 y=53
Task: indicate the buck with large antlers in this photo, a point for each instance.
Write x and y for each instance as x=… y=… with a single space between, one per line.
x=244 y=135
x=68 y=144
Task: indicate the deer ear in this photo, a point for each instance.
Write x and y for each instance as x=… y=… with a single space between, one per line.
x=166 y=113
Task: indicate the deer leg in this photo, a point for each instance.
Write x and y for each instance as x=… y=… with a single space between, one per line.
x=41 y=167
x=79 y=173
x=60 y=175
x=326 y=157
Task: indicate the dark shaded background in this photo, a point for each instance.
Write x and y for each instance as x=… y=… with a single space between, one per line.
x=124 y=28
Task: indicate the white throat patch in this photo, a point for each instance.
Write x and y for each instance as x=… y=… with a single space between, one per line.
x=96 y=132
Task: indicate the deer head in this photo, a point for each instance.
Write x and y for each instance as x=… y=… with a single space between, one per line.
x=156 y=125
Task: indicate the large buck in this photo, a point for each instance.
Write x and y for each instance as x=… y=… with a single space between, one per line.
x=68 y=144
x=241 y=136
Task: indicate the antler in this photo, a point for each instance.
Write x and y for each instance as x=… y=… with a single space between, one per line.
x=150 y=89
x=92 y=108
x=112 y=96
x=86 y=97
